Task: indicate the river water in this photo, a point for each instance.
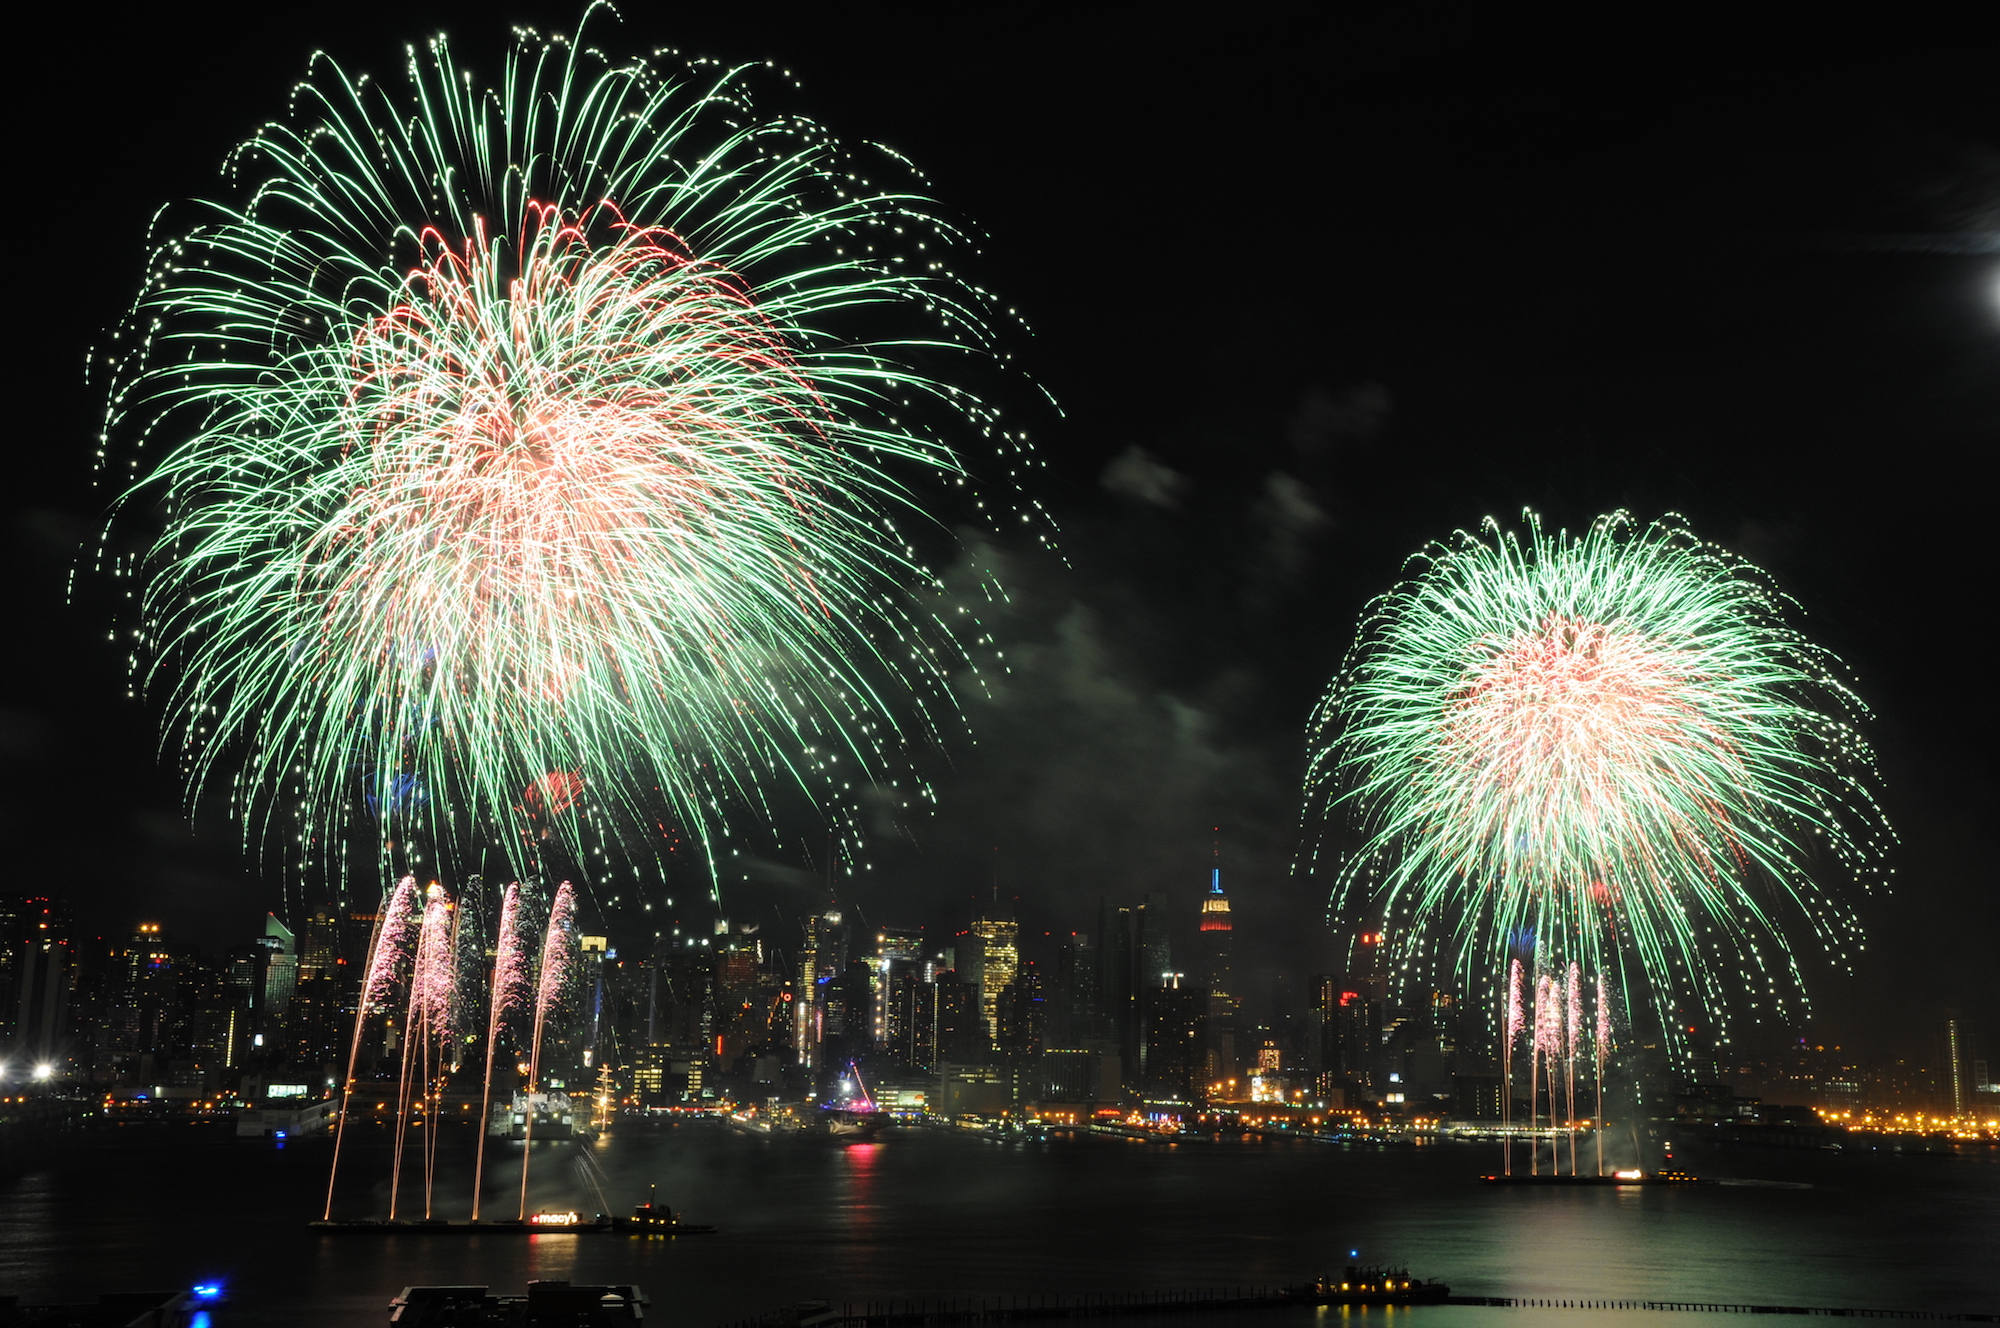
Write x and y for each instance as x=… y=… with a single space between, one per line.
x=937 y=1214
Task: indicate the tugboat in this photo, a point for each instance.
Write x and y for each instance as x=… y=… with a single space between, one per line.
x=1369 y=1284
x=653 y=1218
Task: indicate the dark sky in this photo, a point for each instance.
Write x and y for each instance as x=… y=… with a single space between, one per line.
x=1310 y=295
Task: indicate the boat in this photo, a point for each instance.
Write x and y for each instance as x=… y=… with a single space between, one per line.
x=1620 y=1178
x=854 y=1117
x=556 y=1117
x=653 y=1218
x=1369 y=1284
x=547 y=1301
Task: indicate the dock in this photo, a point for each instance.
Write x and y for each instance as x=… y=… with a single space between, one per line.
x=950 y=1312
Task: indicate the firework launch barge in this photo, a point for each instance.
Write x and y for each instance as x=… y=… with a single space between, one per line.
x=1615 y=1178
x=647 y=1219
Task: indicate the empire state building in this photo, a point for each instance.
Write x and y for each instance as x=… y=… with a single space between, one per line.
x=1214 y=942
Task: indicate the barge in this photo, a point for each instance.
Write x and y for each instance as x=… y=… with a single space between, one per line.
x=647 y=1219
x=1620 y=1178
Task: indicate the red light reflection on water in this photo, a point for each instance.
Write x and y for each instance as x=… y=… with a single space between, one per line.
x=859 y=1205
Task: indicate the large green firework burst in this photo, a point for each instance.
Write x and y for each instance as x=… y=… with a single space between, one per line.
x=1613 y=743
x=537 y=457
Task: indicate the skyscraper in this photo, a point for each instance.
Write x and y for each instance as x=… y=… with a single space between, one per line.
x=1214 y=939
x=281 y=968
x=997 y=938
x=1176 y=1042
x=1155 y=952
x=898 y=954
x=805 y=1003
x=1023 y=1013
x=1116 y=992
x=1955 y=1098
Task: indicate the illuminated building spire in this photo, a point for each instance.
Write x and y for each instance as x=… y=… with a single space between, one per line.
x=1215 y=907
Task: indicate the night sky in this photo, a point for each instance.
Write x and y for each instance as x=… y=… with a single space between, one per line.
x=1309 y=296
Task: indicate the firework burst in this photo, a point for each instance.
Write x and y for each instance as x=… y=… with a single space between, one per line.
x=538 y=452
x=1616 y=741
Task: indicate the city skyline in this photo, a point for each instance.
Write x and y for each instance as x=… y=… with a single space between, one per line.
x=153 y=1015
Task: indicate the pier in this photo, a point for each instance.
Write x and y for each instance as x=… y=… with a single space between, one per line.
x=945 y=1311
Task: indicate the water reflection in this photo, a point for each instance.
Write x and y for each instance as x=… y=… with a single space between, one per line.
x=946 y=1215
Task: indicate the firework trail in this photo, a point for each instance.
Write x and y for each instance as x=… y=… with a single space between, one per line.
x=433 y=1005
x=1547 y=1047
x=511 y=985
x=1602 y=1049
x=537 y=460
x=1514 y=1022
x=1616 y=740
x=1572 y=1041
x=388 y=949
x=433 y=978
x=557 y=969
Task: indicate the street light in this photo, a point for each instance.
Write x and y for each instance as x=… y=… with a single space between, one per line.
x=43 y=1071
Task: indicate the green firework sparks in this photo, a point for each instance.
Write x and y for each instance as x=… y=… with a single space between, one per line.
x=536 y=461
x=1615 y=743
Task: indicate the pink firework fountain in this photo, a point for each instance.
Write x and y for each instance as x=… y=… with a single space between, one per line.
x=512 y=989
x=389 y=948
x=427 y=1027
x=558 y=964
x=1514 y=1022
x=1547 y=1047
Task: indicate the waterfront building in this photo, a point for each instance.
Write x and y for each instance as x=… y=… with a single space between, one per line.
x=1476 y=1096
x=972 y=1088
